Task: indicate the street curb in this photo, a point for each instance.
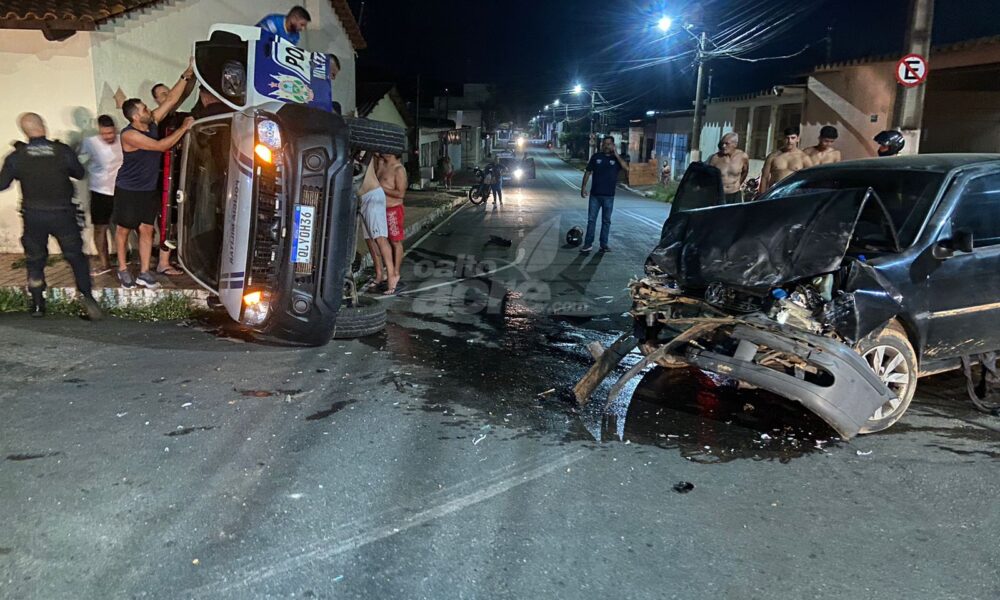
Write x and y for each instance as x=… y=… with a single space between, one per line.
x=637 y=192
x=118 y=297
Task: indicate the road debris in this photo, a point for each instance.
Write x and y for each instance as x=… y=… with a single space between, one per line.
x=479 y=439
x=683 y=487
x=861 y=453
x=547 y=392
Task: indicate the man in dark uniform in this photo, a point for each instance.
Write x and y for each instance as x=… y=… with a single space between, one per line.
x=44 y=168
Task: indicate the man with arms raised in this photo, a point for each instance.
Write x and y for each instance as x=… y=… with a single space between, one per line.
x=734 y=165
x=137 y=196
x=783 y=162
x=824 y=153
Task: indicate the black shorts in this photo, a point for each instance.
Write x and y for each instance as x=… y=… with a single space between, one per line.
x=101 y=206
x=734 y=198
x=134 y=208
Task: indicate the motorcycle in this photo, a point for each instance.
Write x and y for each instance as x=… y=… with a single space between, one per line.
x=750 y=189
x=480 y=192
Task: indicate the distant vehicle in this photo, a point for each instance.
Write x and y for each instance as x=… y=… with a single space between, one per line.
x=267 y=210
x=838 y=288
x=517 y=169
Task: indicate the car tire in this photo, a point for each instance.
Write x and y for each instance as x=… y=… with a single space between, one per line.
x=890 y=354
x=376 y=136
x=367 y=318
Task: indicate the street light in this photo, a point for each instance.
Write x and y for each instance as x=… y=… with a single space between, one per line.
x=556 y=103
x=577 y=88
x=664 y=23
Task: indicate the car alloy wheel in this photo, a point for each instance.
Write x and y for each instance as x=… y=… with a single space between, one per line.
x=891 y=357
x=891 y=367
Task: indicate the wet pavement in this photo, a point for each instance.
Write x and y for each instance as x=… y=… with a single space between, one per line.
x=441 y=458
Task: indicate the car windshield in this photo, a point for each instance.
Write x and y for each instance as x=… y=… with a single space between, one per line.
x=204 y=205
x=907 y=195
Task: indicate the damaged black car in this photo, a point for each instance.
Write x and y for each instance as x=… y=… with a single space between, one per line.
x=838 y=289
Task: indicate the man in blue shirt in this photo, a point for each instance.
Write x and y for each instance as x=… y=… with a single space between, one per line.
x=605 y=167
x=288 y=26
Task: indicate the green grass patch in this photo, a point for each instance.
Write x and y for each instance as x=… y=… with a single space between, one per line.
x=168 y=308
x=22 y=262
x=665 y=193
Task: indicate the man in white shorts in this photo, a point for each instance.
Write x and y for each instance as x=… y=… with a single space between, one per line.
x=377 y=230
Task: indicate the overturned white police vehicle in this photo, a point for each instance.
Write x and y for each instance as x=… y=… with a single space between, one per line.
x=838 y=289
x=266 y=204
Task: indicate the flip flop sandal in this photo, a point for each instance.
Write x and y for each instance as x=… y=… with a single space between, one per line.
x=400 y=287
x=169 y=271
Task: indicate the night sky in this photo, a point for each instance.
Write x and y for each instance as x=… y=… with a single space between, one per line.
x=535 y=50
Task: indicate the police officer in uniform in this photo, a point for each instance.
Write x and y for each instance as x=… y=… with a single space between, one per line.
x=44 y=168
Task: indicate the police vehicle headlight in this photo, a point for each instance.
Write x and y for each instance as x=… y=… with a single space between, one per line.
x=256 y=306
x=518 y=173
x=269 y=134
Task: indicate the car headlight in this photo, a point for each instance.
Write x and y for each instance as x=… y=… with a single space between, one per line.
x=269 y=134
x=518 y=173
x=256 y=306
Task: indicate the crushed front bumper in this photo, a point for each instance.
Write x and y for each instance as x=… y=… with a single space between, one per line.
x=823 y=374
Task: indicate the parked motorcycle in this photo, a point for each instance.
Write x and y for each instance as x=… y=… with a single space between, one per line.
x=750 y=189
x=480 y=192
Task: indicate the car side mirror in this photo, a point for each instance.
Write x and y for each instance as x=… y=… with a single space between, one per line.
x=961 y=240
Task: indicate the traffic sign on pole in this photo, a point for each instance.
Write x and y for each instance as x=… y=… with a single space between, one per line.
x=911 y=70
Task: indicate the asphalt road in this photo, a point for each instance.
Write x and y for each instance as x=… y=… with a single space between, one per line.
x=162 y=460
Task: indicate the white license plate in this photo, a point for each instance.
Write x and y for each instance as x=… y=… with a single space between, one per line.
x=305 y=227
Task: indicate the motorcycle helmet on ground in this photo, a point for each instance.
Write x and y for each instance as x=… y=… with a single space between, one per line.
x=574 y=236
x=890 y=142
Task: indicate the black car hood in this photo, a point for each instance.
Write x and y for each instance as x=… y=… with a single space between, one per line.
x=760 y=244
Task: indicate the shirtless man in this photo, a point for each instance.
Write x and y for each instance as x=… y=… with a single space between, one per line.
x=734 y=165
x=392 y=176
x=376 y=230
x=824 y=153
x=785 y=161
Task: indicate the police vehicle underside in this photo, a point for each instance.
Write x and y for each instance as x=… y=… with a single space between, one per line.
x=266 y=193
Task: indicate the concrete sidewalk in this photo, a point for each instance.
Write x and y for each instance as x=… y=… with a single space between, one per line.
x=423 y=210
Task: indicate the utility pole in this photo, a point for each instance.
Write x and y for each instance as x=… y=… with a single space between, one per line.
x=698 y=100
x=590 y=140
x=908 y=110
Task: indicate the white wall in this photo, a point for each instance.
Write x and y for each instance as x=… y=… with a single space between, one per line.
x=71 y=82
x=53 y=79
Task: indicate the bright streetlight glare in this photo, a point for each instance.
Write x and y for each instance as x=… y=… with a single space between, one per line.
x=546 y=107
x=577 y=88
x=664 y=23
x=556 y=103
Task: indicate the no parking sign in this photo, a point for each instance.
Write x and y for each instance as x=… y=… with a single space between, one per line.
x=911 y=70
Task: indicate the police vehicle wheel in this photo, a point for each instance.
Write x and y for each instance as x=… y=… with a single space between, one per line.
x=366 y=318
x=376 y=136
